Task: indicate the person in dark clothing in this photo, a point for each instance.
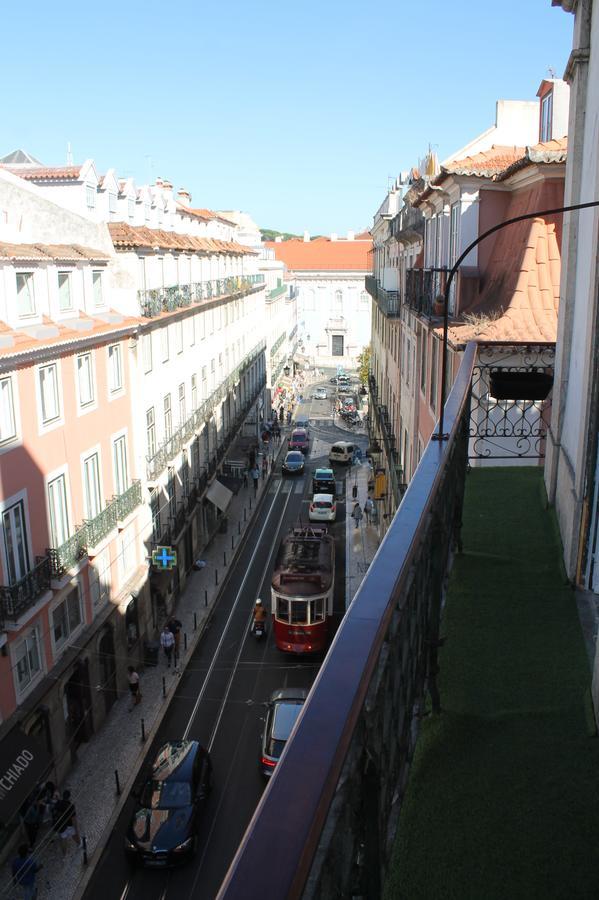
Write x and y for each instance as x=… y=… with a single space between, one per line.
x=24 y=869
x=175 y=626
x=255 y=478
x=66 y=822
x=32 y=821
x=264 y=466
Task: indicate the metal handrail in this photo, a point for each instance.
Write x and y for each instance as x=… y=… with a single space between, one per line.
x=154 y=301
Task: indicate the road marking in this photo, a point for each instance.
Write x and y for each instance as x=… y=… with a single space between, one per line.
x=227 y=623
x=299 y=488
x=286 y=487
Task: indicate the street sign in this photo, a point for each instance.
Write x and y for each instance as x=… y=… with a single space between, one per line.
x=164 y=558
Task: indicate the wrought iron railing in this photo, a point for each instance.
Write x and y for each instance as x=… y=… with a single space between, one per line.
x=341 y=782
x=380 y=419
x=424 y=288
x=68 y=554
x=277 y=343
x=16 y=599
x=169 y=448
x=154 y=301
x=276 y=292
x=128 y=500
x=389 y=302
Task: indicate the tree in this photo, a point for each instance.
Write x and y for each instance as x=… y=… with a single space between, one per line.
x=364 y=364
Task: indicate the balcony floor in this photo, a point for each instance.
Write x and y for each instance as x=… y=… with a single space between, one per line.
x=502 y=797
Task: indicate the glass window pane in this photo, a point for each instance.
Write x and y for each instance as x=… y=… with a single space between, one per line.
x=25 y=295
x=86 y=387
x=59 y=623
x=97 y=285
x=49 y=393
x=7 y=413
x=64 y=290
x=74 y=610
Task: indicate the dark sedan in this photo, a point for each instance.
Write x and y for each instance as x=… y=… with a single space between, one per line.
x=284 y=707
x=163 y=830
x=293 y=464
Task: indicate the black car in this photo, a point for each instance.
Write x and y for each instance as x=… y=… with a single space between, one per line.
x=323 y=482
x=293 y=464
x=163 y=830
x=284 y=707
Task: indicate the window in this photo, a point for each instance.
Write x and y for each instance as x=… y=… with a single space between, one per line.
x=119 y=457
x=85 y=379
x=90 y=196
x=364 y=298
x=338 y=306
x=48 y=377
x=66 y=617
x=91 y=486
x=28 y=661
x=112 y=204
x=150 y=433
x=423 y=360
x=25 y=294
x=434 y=365
x=57 y=508
x=185 y=474
x=115 y=368
x=546 y=117
x=97 y=286
x=65 y=301
x=164 y=343
x=337 y=345
x=168 y=416
x=194 y=392
x=155 y=510
x=131 y=622
x=204 y=381
x=131 y=208
x=179 y=336
x=15 y=542
x=99 y=579
x=146 y=346
x=171 y=492
x=182 y=415
x=8 y=427
x=192 y=330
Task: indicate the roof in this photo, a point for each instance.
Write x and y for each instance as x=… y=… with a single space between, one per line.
x=62 y=252
x=21 y=158
x=323 y=255
x=206 y=215
x=66 y=333
x=46 y=173
x=520 y=297
x=126 y=237
x=487 y=163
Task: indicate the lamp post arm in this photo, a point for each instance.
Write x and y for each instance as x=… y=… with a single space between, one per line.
x=440 y=436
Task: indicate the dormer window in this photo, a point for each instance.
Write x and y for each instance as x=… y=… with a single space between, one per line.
x=65 y=300
x=131 y=208
x=112 y=205
x=547 y=117
x=147 y=212
x=90 y=196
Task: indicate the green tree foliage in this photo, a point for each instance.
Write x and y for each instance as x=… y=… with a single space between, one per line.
x=364 y=364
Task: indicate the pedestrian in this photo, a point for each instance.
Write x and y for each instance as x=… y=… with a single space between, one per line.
x=245 y=478
x=289 y=417
x=369 y=510
x=49 y=798
x=252 y=458
x=167 y=642
x=357 y=514
x=256 y=478
x=175 y=626
x=264 y=467
x=66 y=822
x=32 y=821
x=133 y=679
x=24 y=870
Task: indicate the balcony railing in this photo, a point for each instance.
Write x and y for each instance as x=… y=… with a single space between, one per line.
x=384 y=426
x=340 y=785
x=423 y=287
x=388 y=301
x=16 y=599
x=173 y=444
x=158 y=300
x=68 y=554
x=277 y=343
x=276 y=292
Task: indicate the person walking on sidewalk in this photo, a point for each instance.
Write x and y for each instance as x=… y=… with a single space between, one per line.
x=175 y=626
x=264 y=466
x=167 y=642
x=66 y=822
x=357 y=514
x=256 y=478
x=32 y=820
x=369 y=510
x=133 y=679
x=24 y=870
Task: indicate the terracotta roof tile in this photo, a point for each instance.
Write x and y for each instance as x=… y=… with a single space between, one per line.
x=486 y=163
x=46 y=173
x=125 y=236
x=64 y=333
x=63 y=252
x=323 y=255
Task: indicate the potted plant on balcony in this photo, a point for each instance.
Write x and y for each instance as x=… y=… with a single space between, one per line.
x=439 y=305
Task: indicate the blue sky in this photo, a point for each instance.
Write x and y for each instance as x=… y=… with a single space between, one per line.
x=297 y=113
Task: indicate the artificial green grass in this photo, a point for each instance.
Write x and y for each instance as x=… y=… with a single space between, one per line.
x=503 y=796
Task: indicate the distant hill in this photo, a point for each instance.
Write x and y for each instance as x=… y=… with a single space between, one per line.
x=269 y=234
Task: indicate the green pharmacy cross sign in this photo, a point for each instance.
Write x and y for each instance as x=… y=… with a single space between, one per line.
x=164 y=558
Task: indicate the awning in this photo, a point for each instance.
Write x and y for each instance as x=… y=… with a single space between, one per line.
x=220 y=495
x=23 y=762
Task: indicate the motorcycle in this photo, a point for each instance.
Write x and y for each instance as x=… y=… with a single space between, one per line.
x=258 y=629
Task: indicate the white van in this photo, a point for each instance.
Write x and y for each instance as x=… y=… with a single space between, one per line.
x=342 y=452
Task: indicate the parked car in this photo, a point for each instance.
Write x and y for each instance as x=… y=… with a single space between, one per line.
x=323 y=482
x=340 y=379
x=284 y=707
x=299 y=440
x=293 y=464
x=319 y=394
x=345 y=389
x=164 y=827
x=323 y=508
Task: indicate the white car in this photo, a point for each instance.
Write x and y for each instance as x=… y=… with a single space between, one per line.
x=323 y=508
x=320 y=394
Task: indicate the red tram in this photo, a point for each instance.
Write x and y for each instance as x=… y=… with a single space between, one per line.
x=302 y=590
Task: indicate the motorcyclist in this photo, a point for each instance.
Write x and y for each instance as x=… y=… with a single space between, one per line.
x=259 y=613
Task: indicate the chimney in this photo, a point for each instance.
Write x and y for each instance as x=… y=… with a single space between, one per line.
x=351 y=235
x=158 y=182
x=167 y=185
x=306 y=237
x=278 y=239
x=333 y=235
x=184 y=197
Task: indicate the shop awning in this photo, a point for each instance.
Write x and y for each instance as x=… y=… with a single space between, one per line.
x=220 y=495
x=23 y=762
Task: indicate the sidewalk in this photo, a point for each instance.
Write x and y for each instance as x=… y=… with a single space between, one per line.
x=360 y=543
x=118 y=745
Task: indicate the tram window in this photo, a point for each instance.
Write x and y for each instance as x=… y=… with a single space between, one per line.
x=283 y=608
x=299 y=612
x=316 y=610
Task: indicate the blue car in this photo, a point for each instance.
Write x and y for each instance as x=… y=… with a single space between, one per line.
x=293 y=464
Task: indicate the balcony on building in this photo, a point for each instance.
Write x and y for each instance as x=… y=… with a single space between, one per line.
x=276 y=292
x=513 y=641
x=18 y=598
x=154 y=301
x=385 y=293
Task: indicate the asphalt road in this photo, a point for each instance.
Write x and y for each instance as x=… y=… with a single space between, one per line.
x=221 y=697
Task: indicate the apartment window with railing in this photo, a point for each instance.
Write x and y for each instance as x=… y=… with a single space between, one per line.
x=195 y=458
x=85 y=379
x=16 y=545
x=50 y=403
x=168 y=416
x=119 y=459
x=97 y=288
x=28 y=659
x=91 y=486
x=57 y=509
x=65 y=299
x=150 y=433
x=170 y=489
x=185 y=474
x=146 y=348
x=25 y=294
x=155 y=511
x=66 y=617
x=8 y=424
x=194 y=392
x=115 y=368
x=182 y=411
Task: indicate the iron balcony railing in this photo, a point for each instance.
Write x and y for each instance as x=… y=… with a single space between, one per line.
x=16 y=599
x=424 y=289
x=69 y=553
x=276 y=292
x=277 y=343
x=380 y=413
x=169 y=448
x=389 y=302
x=341 y=782
x=154 y=301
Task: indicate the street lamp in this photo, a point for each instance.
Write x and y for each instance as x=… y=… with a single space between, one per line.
x=286 y=370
